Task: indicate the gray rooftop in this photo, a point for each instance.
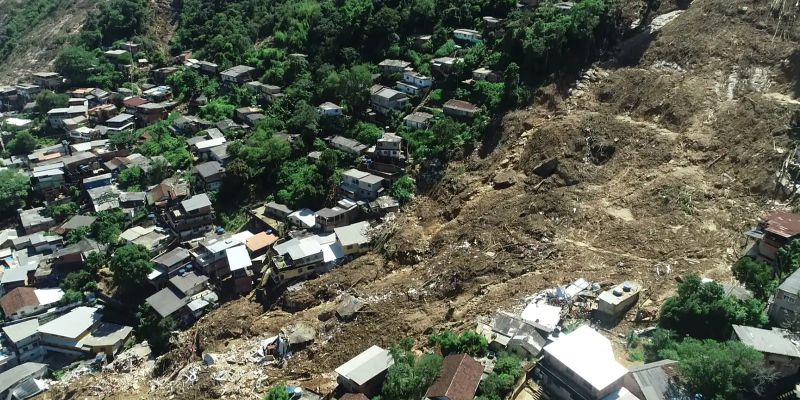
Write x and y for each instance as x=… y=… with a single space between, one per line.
x=418 y=117
x=209 y=169
x=78 y=221
x=196 y=202
x=173 y=257
x=185 y=283
x=350 y=144
x=791 y=284
x=353 y=234
x=119 y=119
x=19 y=373
x=766 y=341
x=166 y=302
x=655 y=383
x=238 y=70
x=22 y=330
x=33 y=217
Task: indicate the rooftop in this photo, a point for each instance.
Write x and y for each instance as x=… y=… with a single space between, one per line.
x=238 y=258
x=418 y=117
x=619 y=293
x=18 y=298
x=186 y=282
x=589 y=355
x=791 y=284
x=196 y=202
x=460 y=105
x=783 y=224
x=72 y=324
x=459 y=380
x=238 y=70
x=354 y=234
x=260 y=241
x=19 y=373
x=367 y=365
x=165 y=302
x=209 y=169
x=22 y=330
x=173 y=257
x=767 y=341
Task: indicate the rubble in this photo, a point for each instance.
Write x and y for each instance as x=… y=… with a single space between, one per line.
x=348 y=307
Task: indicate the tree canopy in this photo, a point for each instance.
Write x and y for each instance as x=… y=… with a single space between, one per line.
x=702 y=310
x=469 y=342
x=22 y=144
x=14 y=188
x=130 y=266
x=757 y=276
x=717 y=370
x=410 y=376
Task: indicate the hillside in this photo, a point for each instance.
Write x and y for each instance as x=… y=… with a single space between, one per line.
x=666 y=153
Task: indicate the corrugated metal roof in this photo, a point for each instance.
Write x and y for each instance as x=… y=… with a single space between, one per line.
x=72 y=324
x=367 y=365
x=766 y=341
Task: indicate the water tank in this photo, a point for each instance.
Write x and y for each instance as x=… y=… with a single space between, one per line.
x=627 y=286
x=617 y=292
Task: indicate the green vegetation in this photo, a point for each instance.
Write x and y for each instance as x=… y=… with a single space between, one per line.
x=14 y=188
x=116 y=20
x=21 y=18
x=410 y=376
x=48 y=100
x=108 y=226
x=61 y=212
x=789 y=258
x=469 y=342
x=153 y=328
x=277 y=392
x=76 y=235
x=82 y=67
x=507 y=370
x=404 y=189
x=84 y=280
x=22 y=144
x=132 y=179
x=130 y=266
x=757 y=276
x=188 y=83
x=703 y=311
x=163 y=142
x=301 y=184
x=717 y=370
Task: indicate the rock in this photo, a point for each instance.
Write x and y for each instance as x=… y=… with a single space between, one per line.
x=348 y=307
x=209 y=359
x=547 y=168
x=505 y=179
x=300 y=334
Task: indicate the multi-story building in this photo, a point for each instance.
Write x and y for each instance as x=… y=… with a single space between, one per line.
x=360 y=185
x=193 y=217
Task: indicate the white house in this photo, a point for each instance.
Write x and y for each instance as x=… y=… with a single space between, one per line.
x=469 y=35
x=329 y=109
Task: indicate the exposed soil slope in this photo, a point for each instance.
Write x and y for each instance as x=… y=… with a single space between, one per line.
x=665 y=157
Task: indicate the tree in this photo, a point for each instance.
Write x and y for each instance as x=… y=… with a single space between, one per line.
x=116 y=20
x=14 y=188
x=22 y=144
x=717 y=370
x=702 y=310
x=132 y=179
x=60 y=212
x=76 y=235
x=79 y=281
x=48 y=100
x=301 y=184
x=469 y=342
x=757 y=276
x=278 y=392
x=74 y=62
x=367 y=133
x=404 y=189
x=789 y=258
x=409 y=377
x=305 y=122
x=217 y=110
x=354 y=87
x=507 y=370
x=130 y=266
x=153 y=328
x=327 y=163
x=71 y=296
x=108 y=226
x=660 y=339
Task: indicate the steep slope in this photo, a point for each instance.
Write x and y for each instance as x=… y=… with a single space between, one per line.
x=666 y=154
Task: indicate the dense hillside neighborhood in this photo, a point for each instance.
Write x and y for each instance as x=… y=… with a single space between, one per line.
x=401 y=200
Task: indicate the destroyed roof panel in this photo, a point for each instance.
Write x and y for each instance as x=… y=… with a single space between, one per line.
x=16 y=374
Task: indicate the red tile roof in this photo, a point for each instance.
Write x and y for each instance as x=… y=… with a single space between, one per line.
x=17 y=299
x=134 y=102
x=783 y=224
x=460 y=377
